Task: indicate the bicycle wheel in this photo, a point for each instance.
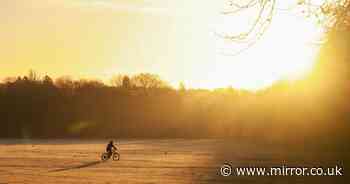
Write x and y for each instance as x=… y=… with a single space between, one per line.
x=116 y=156
x=104 y=156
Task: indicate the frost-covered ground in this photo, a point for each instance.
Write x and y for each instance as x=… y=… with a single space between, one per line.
x=148 y=161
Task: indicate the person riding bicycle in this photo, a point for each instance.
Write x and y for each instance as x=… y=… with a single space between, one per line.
x=110 y=147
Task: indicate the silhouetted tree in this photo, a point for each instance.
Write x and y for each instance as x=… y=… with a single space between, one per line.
x=66 y=84
x=148 y=81
x=47 y=81
x=328 y=13
x=126 y=82
x=33 y=76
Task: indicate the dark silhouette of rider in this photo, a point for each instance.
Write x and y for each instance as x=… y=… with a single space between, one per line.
x=110 y=147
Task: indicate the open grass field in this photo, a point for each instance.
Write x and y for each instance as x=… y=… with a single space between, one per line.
x=148 y=161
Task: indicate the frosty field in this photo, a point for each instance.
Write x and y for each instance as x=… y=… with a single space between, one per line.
x=146 y=161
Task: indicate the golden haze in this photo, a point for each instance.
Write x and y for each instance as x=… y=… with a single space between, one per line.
x=98 y=39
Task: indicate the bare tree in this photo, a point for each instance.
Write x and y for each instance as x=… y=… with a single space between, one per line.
x=148 y=81
x=33 y=76
x=126 y=83
x=47 y=80
x=65 y=83
x=328 y=13
x=262 y=19
x=337 y=13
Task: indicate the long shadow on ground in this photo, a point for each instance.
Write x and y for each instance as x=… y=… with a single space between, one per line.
x=89 y=164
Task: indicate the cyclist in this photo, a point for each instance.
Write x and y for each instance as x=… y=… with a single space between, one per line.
x=110 y=147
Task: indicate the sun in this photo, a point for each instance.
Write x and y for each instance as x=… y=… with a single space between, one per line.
x=186 y=48
x=286 y=51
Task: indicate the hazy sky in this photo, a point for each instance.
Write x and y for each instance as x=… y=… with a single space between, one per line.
x=99 y=38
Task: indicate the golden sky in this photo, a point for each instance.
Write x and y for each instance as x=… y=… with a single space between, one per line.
x=172 y=38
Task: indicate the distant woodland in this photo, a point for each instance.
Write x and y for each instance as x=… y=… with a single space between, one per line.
x=314 y=109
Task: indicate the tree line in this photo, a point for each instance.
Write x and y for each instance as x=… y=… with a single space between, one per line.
x=144 y=106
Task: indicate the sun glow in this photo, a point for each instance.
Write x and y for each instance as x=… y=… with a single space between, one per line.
x=285 y=52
